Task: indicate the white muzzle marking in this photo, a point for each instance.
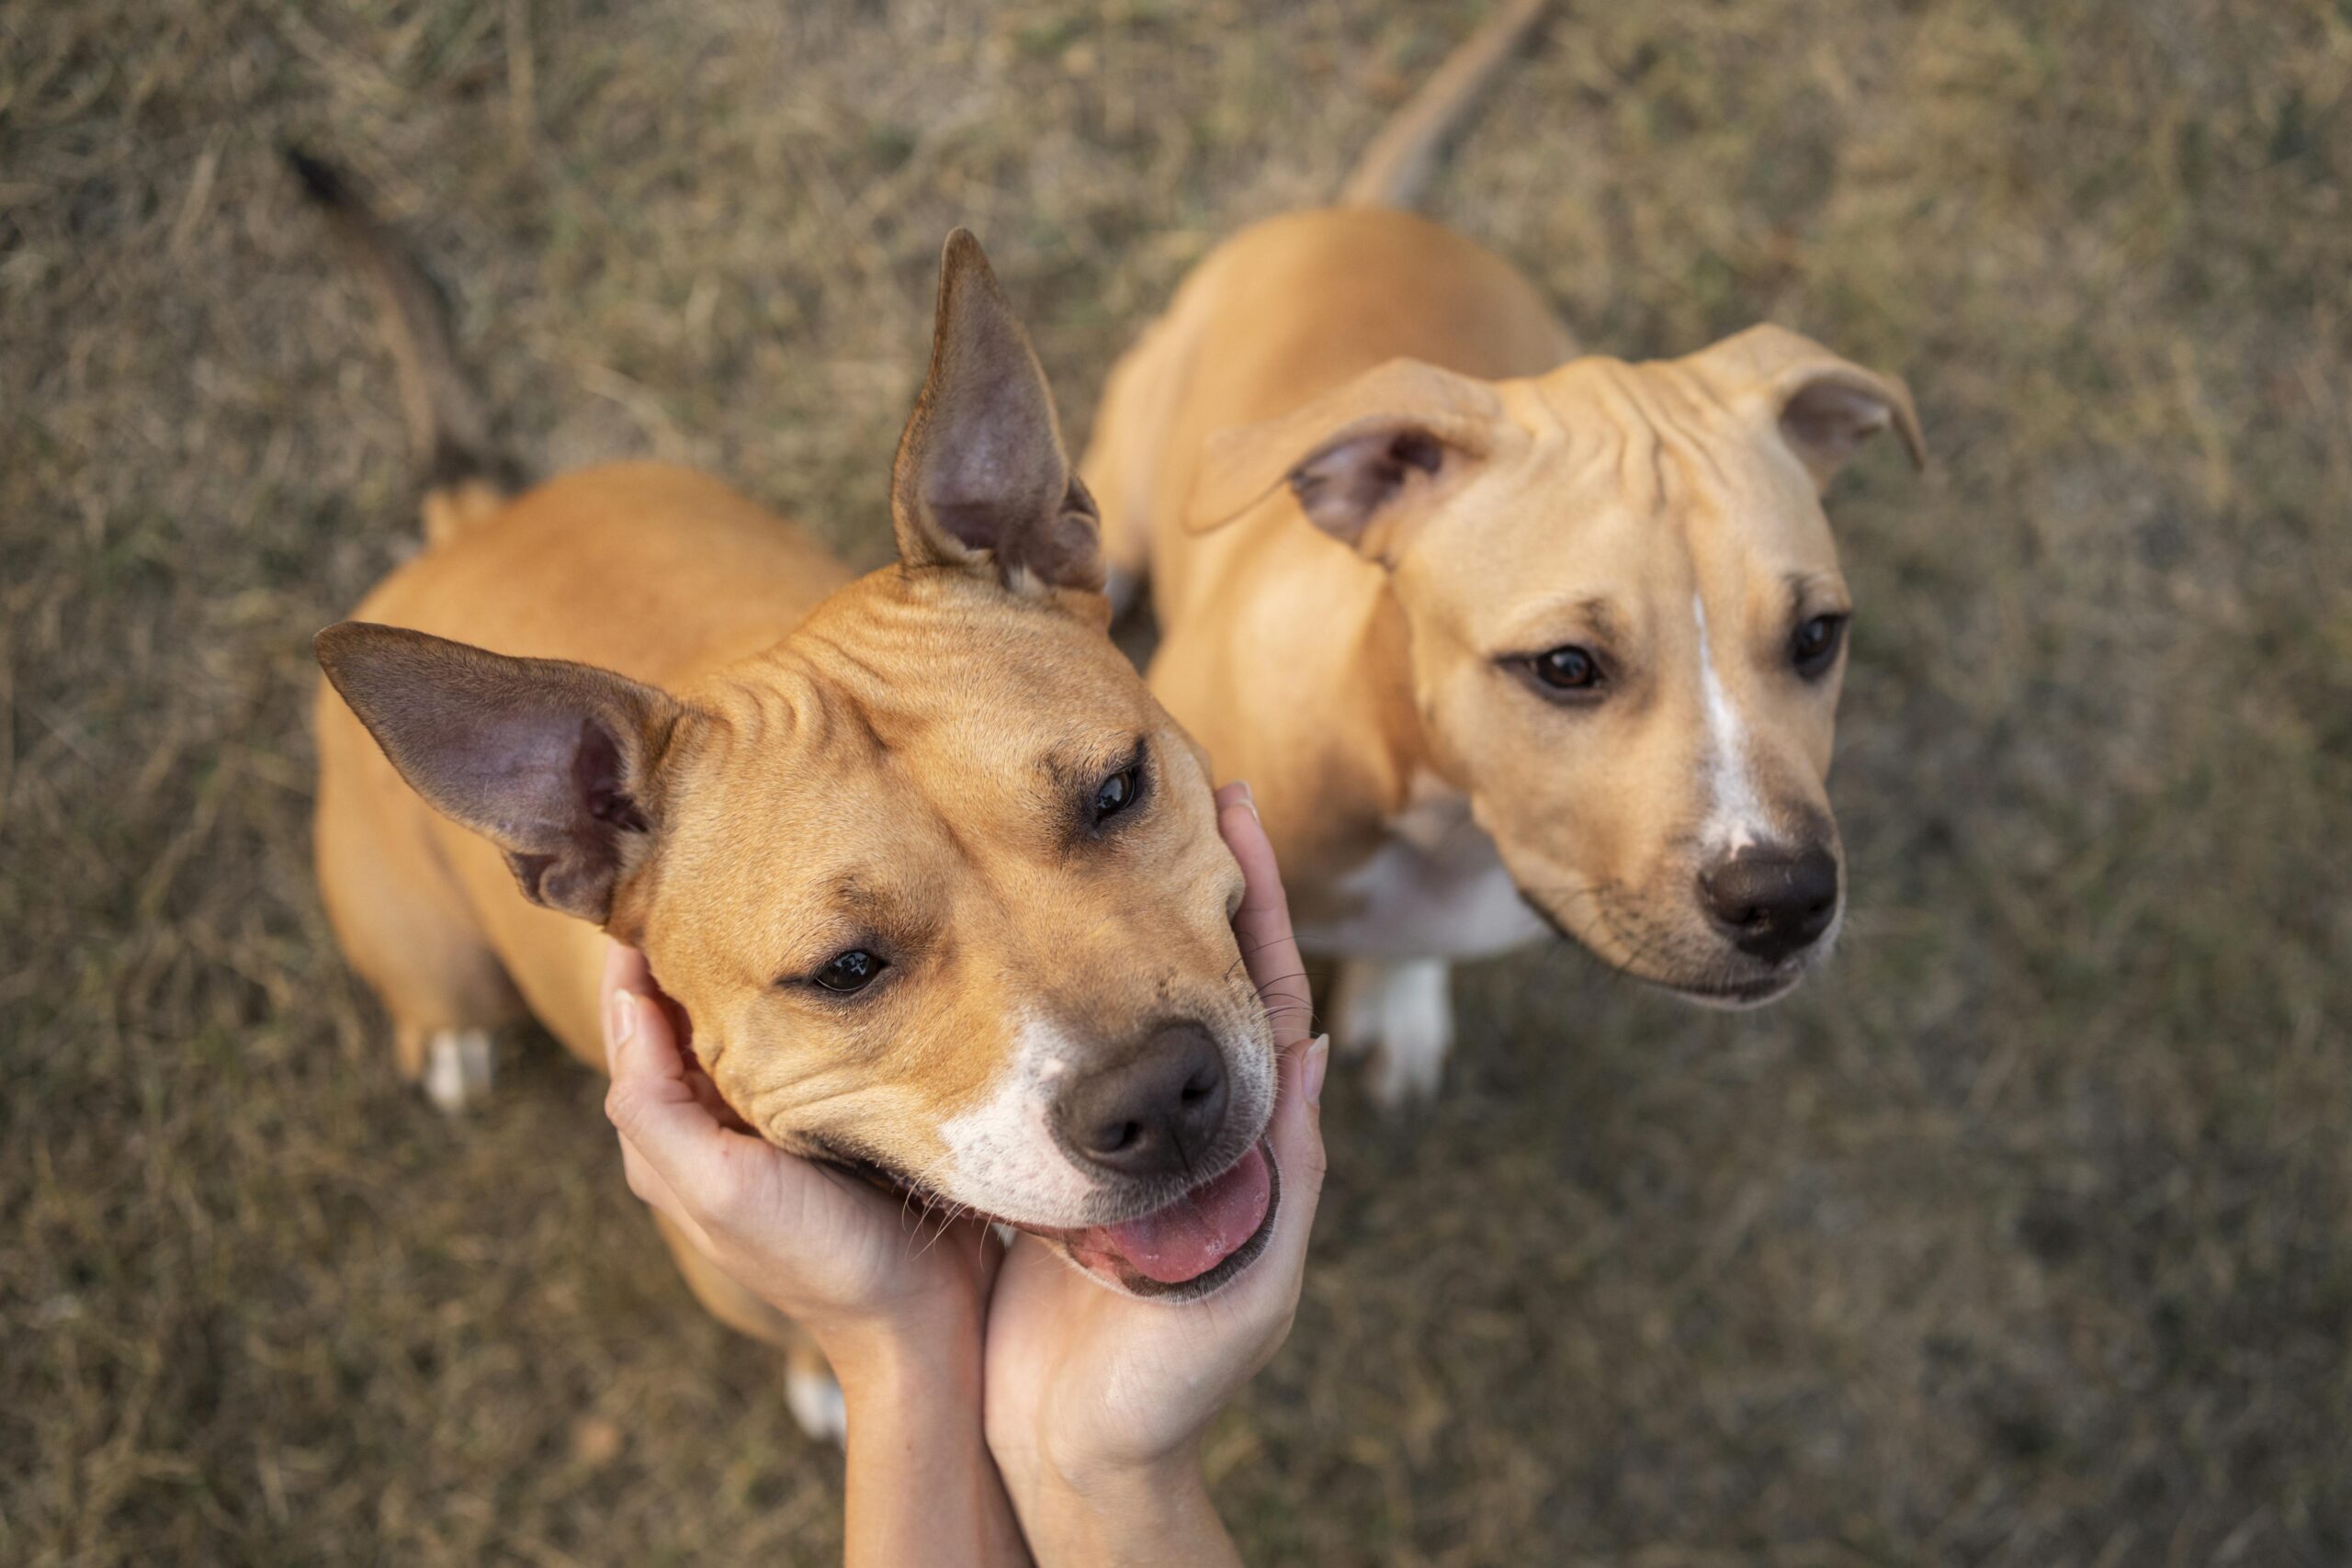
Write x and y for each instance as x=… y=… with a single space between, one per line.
x=1002 y=1156
x=1735 y=817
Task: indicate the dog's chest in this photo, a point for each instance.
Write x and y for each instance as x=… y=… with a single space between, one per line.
x=1435 y=888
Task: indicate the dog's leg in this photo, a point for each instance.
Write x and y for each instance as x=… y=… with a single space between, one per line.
x=814 y=1396
x=1403 y=1014
x=410 y=935
x=453 y=1065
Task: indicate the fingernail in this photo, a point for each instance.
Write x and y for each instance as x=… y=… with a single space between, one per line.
x=622 y=1024
x=1318 y=1057
x=1243 y=786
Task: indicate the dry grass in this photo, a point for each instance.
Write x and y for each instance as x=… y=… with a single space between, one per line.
x=2019 y=1239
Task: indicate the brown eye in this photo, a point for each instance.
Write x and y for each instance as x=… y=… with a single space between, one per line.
x=1567 y=668
x=1814 y=649
x=851 y=971
x=1119 y=792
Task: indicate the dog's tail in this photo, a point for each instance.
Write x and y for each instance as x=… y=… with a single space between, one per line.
x=467 y=477
x=1396 y=166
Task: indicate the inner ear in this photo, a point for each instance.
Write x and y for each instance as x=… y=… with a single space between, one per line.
x=1355 y=456
x=981 y=477
x=1347 y=485
x=1831 y=412
x=558 y=764
x=1825 y=407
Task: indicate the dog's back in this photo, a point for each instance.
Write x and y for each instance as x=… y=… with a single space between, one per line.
x=651 y=571
x=1357 y=286
x=1358 y=283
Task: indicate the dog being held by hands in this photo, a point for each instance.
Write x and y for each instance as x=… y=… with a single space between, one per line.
x=936 y=882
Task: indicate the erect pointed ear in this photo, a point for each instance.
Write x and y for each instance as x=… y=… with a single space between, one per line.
x=557 y=764
x=1825 y=407
x=1360 y=458
x=981 y=476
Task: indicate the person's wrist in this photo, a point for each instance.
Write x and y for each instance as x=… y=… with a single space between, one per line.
x=1118 y=1514
x=1045 y=1457
x=905 y=1351
x=1092 y=1473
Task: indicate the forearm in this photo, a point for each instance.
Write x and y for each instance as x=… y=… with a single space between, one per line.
x=921 y=1489
x=1161 y=1519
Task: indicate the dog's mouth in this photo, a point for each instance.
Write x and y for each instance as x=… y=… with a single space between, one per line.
x=1645 y=954
x=1735 y=995
x=1184 y=1250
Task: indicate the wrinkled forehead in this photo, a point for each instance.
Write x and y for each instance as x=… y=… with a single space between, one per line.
x=1637 y=481
x=975 y=701
x=872 y=759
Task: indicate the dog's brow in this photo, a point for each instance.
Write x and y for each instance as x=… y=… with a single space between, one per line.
x=1809 y=589
x=1076 y=765
x=851 y=895
x=1551 y=620
x=848 y=911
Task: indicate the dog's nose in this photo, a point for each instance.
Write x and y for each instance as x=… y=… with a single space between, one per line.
x=1153 y=1114
x=1773 y=902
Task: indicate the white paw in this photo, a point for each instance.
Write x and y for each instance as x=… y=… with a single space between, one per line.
x=457 y=1067
x=1404 y=1016
x=814 y=1395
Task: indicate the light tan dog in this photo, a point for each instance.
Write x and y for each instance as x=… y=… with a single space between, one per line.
x=1502 y=635
x=937 y=881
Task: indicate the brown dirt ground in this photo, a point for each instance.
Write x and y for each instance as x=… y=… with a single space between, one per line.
x=2020 y=1238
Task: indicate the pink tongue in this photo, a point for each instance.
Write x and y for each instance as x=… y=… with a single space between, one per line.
x=1200 y=1230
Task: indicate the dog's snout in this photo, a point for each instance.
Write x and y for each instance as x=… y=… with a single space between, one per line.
x=1773 y=903
x=1154 y=1111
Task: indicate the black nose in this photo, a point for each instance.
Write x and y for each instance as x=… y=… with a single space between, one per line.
x=1773 y=902
x=1154 y=1112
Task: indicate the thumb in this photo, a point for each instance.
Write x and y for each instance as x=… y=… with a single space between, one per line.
x=1296 y=1137
x=652 y=1102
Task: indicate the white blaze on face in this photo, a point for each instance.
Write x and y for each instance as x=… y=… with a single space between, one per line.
x=1736 y=816
x=1002 y=1156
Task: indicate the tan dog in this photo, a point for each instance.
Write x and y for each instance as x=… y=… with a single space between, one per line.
x=1501 y=637
x=937 y=881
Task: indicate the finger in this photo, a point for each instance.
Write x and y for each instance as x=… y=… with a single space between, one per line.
x=706 y=1095
x=685 y=1150
x=624 y=970
x=1263 y=926
x=653 y=1100
x=653 y=1190
x=1296 y=1137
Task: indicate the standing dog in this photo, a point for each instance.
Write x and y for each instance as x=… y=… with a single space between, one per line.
x=937 y=881
x=1502 y=637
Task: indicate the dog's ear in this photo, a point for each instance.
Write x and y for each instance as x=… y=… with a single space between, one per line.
x=981 y=477
x=1361 y=458
x=1825 y=407
x=556 y=763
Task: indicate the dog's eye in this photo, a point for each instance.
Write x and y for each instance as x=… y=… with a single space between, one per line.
x=1567 y=668
x=851 y=971
x=1115 y=794
x=1815 y=647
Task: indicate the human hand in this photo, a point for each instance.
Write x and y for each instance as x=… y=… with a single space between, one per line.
x=851 y=1263
x=1095 y=1402
x=894 y=1299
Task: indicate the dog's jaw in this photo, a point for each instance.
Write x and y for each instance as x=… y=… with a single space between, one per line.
x=1621 y=953
x=1004 y=1161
